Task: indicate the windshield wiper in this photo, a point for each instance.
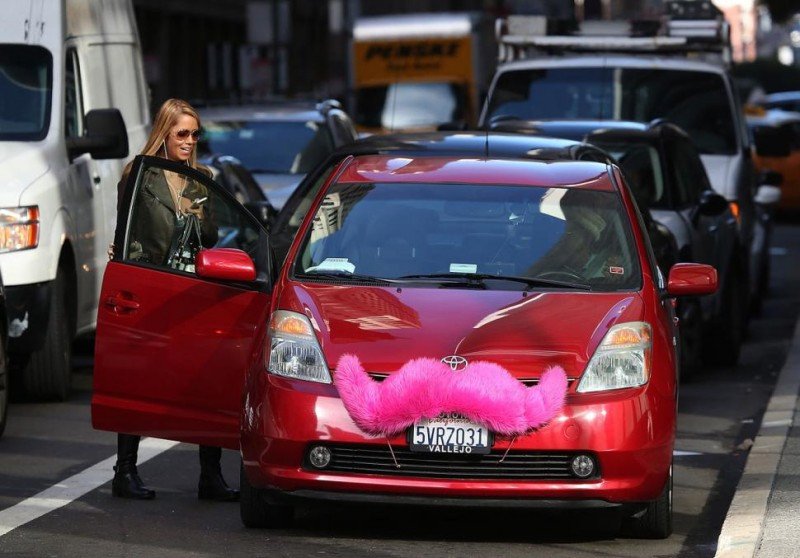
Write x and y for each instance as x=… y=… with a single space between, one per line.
x=481 y=278
x=347 y=275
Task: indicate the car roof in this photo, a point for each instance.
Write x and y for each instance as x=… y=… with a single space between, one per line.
x=612 y=61
x=496 y=145
x=285 y=112
x=462 y=170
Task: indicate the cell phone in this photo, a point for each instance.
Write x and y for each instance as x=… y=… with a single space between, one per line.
x=197 y=201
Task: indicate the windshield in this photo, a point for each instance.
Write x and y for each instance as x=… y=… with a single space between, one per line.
x=410 y=105
x=26 y=80
x=440 y=231
x=277 y=147
x=698 y=102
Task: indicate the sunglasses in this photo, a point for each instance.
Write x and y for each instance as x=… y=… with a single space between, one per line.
x=183 y=134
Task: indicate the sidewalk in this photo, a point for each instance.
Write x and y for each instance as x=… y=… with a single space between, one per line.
x=764 y=517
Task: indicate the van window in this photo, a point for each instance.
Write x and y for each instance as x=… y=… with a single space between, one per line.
x=73 y=100
x=410 y=105
x=696 y=101
x=26 y=83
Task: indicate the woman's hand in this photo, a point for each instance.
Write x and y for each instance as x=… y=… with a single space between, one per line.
x=193 y=207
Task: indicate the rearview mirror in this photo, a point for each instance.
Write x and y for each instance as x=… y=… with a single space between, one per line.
x=105 y=136
x=227 y=264
x=686 y=279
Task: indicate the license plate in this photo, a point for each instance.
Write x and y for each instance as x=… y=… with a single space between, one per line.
x=449 y=434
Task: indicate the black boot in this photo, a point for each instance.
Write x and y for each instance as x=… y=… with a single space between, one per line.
x=212 y=486
x=126 y=483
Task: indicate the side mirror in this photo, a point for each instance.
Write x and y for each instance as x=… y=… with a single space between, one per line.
x=227 y=264
x=771 y=141
x=767 y=195
x=263 y=210
x=711 y=203
x=686 y=279
x=105 y=137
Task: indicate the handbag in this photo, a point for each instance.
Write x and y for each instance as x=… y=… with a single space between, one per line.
x=186 y=243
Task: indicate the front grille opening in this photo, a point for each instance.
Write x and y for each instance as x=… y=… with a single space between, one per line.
x=517 y=465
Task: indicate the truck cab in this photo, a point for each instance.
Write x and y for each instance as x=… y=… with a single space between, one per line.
x=63 y=65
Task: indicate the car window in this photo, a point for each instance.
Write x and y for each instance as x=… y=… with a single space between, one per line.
x=641 y=166
x=689 y=178
x=160 y=236
x=396 y=230
x=73 y=98
x=269 y=146
x=696 y=101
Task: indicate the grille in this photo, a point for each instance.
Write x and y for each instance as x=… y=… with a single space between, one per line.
x=528 y=382
x=519 y=465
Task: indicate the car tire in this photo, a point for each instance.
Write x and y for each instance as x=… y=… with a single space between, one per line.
x=47 y=374
x=256 y=511
x=691 y=338
x=655 y=521
x=726 y=335
x=4 y=387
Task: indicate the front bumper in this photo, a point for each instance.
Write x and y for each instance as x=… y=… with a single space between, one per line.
x=630 y=432
x=28 y=309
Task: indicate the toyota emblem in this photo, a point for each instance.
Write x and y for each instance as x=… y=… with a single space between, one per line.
x=455 y=362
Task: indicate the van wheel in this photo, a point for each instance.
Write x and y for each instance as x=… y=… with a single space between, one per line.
x=256 y=511
x=655 y=521
x=47 y=375
x=4 y=377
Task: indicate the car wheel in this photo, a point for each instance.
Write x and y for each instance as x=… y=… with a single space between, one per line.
x=4 y=375
x=655 y=521
x=725 y=336
x=761 y=290
x=256 y=511
x=691 y=337
x=47 y=374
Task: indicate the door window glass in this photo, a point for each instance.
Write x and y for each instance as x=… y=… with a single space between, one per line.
x=26 y=81
x=176 y=213
x=73 y=101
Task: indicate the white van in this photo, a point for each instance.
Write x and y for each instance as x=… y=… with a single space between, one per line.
x=63 y=65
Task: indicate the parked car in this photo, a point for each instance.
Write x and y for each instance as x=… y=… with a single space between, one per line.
x=666 y=174
x=229 y=173
x=277 y=143
x=478 y=144
x=783 y=128
x=388 y=266
x=680 y=75
x=4 y=383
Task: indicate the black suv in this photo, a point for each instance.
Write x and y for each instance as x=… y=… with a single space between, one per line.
x=278 y=143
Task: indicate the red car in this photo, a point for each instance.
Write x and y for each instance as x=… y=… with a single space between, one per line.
x=444 y=330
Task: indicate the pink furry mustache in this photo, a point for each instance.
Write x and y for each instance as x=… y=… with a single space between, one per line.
x=484 y=392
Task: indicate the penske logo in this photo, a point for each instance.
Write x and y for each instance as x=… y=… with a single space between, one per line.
x=413 y=50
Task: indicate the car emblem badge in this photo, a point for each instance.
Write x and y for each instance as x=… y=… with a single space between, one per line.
x=455 y=362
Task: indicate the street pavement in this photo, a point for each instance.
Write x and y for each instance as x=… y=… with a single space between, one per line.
x=764 y=516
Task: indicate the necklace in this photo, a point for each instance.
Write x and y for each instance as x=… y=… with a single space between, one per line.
x=176 y=194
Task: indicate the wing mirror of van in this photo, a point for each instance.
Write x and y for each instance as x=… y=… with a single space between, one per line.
x=105 y=136
x=227 y=264
x=262 y=210
x=687 y=279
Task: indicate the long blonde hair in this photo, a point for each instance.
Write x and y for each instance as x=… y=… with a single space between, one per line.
x=165 y=119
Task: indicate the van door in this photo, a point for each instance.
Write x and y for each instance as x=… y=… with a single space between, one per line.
x=172 y=348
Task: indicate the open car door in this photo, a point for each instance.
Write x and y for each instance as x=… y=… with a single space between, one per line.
x=173 y=345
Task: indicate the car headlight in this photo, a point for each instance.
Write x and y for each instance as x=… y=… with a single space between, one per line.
x=19 y=228
x=622 y=360
x=294 y=351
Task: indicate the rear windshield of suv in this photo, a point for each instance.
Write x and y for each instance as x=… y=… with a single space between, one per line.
x=696 y=101
x=26 y=82
x=444 y=232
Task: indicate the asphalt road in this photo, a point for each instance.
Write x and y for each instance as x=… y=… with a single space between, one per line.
x=45 y=444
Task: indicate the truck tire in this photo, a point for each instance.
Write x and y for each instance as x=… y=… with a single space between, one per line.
x=256 y=511
x=47 y=374
x=4 y=383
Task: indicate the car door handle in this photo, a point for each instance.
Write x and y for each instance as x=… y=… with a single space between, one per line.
x=118 y=304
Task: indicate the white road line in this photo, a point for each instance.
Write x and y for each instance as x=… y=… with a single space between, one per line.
x=74 y=487
x=682 y=453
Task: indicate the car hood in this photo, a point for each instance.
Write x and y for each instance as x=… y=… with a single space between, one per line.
x=21 y=163
x=386 y=327
x=277 y=187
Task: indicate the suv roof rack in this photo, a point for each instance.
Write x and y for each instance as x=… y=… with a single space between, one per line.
x=689 y=29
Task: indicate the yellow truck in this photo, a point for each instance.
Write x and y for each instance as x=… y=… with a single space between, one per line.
x=417 y=72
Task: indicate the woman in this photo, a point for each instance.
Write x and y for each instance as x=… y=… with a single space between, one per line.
x=162 y=208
